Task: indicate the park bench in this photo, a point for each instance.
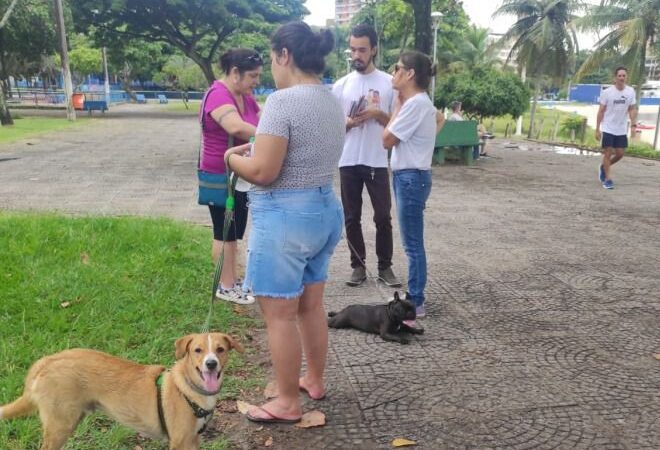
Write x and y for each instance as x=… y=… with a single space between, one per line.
x=95 y=105
x=140 y=98
x=456 y=140
x=162 y=98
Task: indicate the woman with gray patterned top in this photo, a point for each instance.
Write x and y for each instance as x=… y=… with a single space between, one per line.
x=296 y=216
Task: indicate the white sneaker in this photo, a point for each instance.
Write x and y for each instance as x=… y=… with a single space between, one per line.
x=234 y=295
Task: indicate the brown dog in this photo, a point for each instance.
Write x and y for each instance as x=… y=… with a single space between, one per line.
x=66 y=385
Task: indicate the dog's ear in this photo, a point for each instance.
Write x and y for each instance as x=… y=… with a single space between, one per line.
x=396 y=296
x=233 y=342
x=181 y=346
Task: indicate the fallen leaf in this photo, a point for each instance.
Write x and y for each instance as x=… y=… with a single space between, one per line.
x=269 y=441
x=271 y=390
x=65 y=304
x=312 y=419
x=401 y=442
x=242 y=406
x=84 y=258
x=657 y=356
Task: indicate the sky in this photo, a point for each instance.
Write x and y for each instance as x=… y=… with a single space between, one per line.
x=479 y=11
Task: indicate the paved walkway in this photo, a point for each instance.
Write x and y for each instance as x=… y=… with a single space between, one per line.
x=543 y=293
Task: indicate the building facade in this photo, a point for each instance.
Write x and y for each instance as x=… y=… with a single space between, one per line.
x=346 y=9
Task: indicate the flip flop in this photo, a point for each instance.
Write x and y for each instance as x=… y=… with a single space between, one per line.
x=271 y=419
x=303 y=389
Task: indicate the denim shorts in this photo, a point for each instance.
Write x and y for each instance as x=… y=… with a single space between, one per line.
x=294 y=233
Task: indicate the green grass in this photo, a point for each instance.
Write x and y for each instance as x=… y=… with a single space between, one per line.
x=548 y=117
x=179 y=107
x=133 y=286
x=28 y=127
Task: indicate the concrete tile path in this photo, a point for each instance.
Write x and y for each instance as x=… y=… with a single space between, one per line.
x=543 y=293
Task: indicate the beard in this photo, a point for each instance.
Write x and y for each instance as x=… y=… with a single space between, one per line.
x=361 y=66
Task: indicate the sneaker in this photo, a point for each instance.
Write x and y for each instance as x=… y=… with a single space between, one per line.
x=420 y=312
x=608 y=184
x=234 y=295
x=388 y=277
x=358 y=276
x=601 y=173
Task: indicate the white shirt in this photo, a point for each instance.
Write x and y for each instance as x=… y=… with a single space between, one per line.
x=364 y=144
x=617 y=103
x=455 y=117
x=415 y=127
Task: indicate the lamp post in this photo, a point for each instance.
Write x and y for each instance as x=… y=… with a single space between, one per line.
x=347 y=52
x=436 y=17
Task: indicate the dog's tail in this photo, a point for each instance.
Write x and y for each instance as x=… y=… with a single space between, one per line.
x=22 y=406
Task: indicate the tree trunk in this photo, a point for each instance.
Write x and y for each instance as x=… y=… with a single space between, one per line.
x=532 y=113
x=204 y=64
x=5 y=116
x=423 y=31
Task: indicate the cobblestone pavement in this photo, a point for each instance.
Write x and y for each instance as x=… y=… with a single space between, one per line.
x=543 y=293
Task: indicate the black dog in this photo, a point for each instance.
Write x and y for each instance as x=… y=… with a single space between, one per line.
x=385 y=320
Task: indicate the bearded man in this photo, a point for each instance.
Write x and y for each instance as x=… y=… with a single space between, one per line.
x=367 y=98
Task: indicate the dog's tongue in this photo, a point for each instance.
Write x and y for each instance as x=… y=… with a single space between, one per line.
x=211 y=383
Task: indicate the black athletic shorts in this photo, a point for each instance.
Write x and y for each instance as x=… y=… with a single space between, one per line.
x=614 y=141
x=238 y=225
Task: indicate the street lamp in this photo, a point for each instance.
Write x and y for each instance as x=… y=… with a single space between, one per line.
x=347 y=52
x=436 y=17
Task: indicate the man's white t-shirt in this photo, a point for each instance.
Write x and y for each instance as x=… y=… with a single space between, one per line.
x=363 y=145
x=617 y=103
x=415 y=127
x=455 y=117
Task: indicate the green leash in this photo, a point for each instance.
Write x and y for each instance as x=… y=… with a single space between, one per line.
x=229 y=217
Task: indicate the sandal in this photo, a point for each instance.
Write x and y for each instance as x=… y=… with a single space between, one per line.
x=272 y=418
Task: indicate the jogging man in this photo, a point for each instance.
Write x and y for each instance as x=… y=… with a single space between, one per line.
x=616 y=102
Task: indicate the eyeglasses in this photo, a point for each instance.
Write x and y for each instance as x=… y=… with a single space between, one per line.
x=398 y=67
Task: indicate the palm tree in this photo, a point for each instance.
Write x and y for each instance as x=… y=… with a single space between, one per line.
x=471 y=51
x=633 y=28
x=544 y=39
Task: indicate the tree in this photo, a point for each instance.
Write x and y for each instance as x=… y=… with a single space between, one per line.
x=197 y=28
x=5 y=116
x=27 y=35
x=423 y=29
x=484 y=92
x=544 y=39
x=633 y=26
x=472 y=51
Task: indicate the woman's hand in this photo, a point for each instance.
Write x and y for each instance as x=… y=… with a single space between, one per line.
x=240 y=150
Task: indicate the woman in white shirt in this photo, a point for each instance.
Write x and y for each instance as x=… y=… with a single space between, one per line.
x=411 y=133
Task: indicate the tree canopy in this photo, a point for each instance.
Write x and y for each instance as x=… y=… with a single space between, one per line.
x=198 y=28
x=484 y=92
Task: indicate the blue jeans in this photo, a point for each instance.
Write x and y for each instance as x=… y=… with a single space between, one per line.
x=411 y=190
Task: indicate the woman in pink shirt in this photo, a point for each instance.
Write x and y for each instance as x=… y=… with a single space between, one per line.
x=230 y=113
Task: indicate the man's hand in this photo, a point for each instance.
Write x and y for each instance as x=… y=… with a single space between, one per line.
x=367 y=114
x=352 y=122
x=598 y=135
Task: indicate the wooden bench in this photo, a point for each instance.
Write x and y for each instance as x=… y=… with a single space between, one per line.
x=456 y=140
x=140 y=98
x=162 y=98
x=95 y=105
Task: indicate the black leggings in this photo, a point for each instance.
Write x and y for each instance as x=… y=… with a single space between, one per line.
x=238 y=225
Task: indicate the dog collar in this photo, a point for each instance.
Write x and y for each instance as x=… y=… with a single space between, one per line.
x=198 y=411
x=161 y=414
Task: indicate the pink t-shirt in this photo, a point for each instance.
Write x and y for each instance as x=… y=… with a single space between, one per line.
x=215 y=137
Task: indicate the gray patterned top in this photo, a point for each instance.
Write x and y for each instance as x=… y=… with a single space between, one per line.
x=312 y=120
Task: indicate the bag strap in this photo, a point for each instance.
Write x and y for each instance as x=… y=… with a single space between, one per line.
x=202 y=114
